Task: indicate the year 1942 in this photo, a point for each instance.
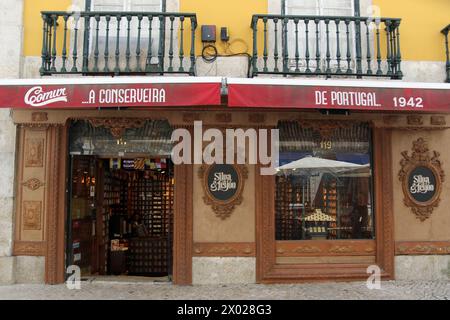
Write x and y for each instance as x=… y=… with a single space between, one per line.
x=413 y=102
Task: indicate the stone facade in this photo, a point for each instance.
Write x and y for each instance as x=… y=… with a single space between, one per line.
x=205 y=270
x=223 y=270
x=11 y=33
x=29 y=269
x=432 y=267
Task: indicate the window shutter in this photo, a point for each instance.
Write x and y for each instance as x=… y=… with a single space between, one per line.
x=146 y=5
x=127 y=5
x=337 y=7
x=109 y=5
x=302 y=7
x=319 y=8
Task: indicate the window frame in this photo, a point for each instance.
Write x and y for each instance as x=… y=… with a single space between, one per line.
x=315 y=267
x=355 y=48
x=89 y=38
x=356 y=7
x=370 y=183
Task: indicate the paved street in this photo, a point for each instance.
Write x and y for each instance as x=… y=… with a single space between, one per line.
x=96 y=289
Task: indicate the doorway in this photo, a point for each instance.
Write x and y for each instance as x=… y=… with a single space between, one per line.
x=121 y=201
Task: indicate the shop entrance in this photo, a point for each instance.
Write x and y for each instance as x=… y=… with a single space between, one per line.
x=120 y=217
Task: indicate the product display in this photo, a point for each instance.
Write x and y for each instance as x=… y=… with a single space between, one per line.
x=324 y=182
x=83 y=216
x=130 y=232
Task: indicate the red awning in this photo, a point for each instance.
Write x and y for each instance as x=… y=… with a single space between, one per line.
x=339 y=95
x=109 y=92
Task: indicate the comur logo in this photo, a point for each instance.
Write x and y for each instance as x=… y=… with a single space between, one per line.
x=36 y=96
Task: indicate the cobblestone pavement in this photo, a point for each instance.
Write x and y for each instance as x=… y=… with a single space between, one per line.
x=404 y=290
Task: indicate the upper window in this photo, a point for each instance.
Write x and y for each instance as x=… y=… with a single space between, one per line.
x=320 y=7
x=342 y=8
x=137 y=31
x=127 y=5
x=324 y=183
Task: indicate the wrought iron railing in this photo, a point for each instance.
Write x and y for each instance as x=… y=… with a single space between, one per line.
x=118 y=43
x=447 y=65
x=326 y=46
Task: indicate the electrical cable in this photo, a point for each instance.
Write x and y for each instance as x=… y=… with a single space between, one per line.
x=208 y=57
x=210 y=52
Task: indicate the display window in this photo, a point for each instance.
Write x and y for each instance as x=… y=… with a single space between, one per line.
x=324 y=182
x=120 y=219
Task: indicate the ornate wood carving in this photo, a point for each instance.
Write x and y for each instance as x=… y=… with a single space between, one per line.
x=33 y=184
x=29 y=248
x=384 y=202
x=191 y=117
x=223 y=209
x=55 y=204
x=224 y=117
x=415 y=120
x=391 y=119
x=229 y=249
x=265 y=225
x=421 y=157
x=438 y=121
x=39 y=116
x=257 y=118
x=422 y=248
x=32 y=215
x=421 y=129
x=325 y=128
x=325 y=248
x=183 y=225
x=34 y=152
x=117 y=126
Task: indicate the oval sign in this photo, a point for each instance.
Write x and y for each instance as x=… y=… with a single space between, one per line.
x=223 y=181
x=422 y=184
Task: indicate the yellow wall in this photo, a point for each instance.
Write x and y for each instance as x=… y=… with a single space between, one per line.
x=234 y=14
x=33 y=23
x=420 y=28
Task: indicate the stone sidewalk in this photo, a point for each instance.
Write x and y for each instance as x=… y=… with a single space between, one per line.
x=404 y=290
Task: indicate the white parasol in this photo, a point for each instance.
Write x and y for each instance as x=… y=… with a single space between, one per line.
x=314 y=168
x=314 y=164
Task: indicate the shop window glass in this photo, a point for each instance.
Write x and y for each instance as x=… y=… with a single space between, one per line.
x=153 y=138
x=324 y=182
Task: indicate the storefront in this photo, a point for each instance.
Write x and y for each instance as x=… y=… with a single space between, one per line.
x=96 y=182
x=120 y=216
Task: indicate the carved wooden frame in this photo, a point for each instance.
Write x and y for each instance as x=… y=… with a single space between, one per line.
x=422 y=248
x=223 y=209
x=421 y=158
x=54 y=246
x=117 y=126
x=224 y=249
x=267 y=269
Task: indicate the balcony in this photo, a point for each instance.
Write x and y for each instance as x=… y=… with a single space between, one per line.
x=328 y=46
x=447 y=65
x=118 y=43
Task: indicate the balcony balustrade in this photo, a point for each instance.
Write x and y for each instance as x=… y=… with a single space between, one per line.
x=447 y=65
x=118 y=43
x=326 y=46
